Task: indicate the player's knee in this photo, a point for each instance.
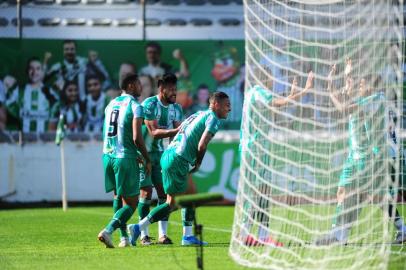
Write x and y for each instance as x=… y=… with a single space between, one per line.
x=146 y=192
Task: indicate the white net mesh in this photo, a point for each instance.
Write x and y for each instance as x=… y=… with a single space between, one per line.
x=320 y=157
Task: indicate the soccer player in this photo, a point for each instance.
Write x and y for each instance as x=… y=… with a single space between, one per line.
x=162 y=120
x=262 y=97
x=96 y=102
x=354 y=174
x=33 y=102
x=122 y=139
x=187 y=149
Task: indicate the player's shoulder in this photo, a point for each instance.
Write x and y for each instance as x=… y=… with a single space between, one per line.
x=151 y=101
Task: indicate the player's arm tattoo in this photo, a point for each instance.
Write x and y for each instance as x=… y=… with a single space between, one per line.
x=158 y=133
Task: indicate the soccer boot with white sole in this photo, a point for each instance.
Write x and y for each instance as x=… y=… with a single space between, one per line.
x=124 y=242
x=135 y=232
x=106 y=238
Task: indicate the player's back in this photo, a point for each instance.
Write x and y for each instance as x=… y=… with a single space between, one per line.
x=187 y=140
x=165 y=116
x=117 y=129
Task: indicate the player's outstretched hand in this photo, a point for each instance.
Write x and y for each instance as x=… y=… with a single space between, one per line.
x=348 y=67
x=309 y=81
x=294 y=89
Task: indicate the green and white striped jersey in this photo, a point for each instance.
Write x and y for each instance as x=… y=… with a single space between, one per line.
x=95 y=112
x=187 y=140
x=117 y=129
x=32 y=106
x=166 y=116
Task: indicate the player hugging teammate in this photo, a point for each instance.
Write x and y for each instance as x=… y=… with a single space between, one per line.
x=133 y=159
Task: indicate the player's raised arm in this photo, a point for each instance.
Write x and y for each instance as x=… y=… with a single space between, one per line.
x=294 y=94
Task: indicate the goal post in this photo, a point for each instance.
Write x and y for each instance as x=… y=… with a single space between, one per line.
x=319 y=148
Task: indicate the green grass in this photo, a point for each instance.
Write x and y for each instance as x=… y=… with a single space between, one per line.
x=51 y=239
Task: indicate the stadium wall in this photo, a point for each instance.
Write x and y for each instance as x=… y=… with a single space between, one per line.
x=32 y=172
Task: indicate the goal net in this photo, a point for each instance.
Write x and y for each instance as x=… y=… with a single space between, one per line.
x=320 y=153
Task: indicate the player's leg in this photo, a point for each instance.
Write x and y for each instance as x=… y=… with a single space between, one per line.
x=394 y=213
x=117 y=205
x=156 y=176
x=126 y=173
x=144 y=203
x=348 y=199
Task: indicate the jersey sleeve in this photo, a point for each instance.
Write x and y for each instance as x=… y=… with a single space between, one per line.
x=212 y=124
x=179 y=113
x=149 y=110
x=54 y=113
x=138 y=110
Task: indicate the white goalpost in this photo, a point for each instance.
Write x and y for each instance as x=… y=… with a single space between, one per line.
x=320 y=158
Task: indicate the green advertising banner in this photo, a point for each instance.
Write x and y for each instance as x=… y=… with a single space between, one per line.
x=220 y=170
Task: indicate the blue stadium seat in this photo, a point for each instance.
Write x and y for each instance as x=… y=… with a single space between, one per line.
x=153 y=22
x=49 y=21
x=121 y=2
x=101 y=22
x=24 y=21
x=201 y=22
x=220 y=2
x=170 y=2
x=195 y=2
x=47 y=136
x=70 y=2
x=14 y=2
x=229 y=22
x=126 y=22
x=96 y=2
x=44 y=2
x=175 y=22
x=238 y=2
x=3 y=22
x=75 y=22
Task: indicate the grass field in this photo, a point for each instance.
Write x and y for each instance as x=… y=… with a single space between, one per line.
x=51 y=239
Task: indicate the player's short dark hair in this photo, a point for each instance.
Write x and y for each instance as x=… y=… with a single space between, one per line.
x=129 y=79
x=155 y=45
x=167 y=79
x=218 y=97
x=66 y=41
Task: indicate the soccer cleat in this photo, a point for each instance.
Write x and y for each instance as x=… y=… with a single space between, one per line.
x=269 y=241
x=400 y=238
x=146 y=240
x=251 y=241
x=106 y=238
x=124 y=242
x=135 y=232
x=164 y=240
x=192 y=240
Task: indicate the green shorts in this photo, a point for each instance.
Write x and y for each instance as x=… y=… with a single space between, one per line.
x=175 y=170
x=353 y=170
x=155 y=178
x=121 y=175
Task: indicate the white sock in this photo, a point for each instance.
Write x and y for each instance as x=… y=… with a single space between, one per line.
x=163 y=227
x=144 y=223
x=187 y=230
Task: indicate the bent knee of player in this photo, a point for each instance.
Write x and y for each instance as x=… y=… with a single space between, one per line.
x=340 y=194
